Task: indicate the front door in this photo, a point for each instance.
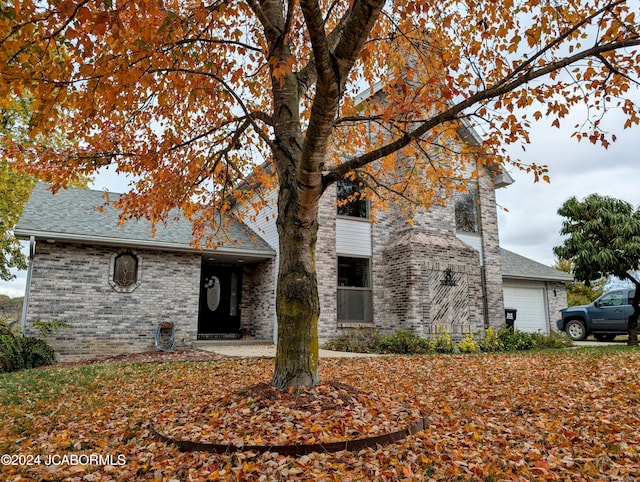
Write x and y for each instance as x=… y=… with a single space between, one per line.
x=219 y=313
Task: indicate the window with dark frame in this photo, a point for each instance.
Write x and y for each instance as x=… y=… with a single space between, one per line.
x=466 y=211
x=350 y=200
x=354 y=289
x=125 y=269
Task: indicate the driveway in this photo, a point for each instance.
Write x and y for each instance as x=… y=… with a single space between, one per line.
x=598 y=343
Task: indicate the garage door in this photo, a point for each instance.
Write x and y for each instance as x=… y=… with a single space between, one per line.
x=532 y=313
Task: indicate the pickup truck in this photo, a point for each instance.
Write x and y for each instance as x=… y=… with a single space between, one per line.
x=605 y=318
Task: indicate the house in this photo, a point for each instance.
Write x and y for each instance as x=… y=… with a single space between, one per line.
x=536 y=291
x=115 y=283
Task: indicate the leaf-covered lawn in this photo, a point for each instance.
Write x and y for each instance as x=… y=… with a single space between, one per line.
x=573 y=415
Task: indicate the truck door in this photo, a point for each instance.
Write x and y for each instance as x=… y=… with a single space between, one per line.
x=609 y=312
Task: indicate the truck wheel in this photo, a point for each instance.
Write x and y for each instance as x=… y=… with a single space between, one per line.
x=576 y=330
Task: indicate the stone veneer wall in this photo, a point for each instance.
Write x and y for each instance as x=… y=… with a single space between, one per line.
x=70 y=283
x=259 y=299
x=492 y=262
x=556 y=300
x=327 y=265
x=431 y=284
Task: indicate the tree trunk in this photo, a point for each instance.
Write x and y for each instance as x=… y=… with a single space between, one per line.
x=297 y=301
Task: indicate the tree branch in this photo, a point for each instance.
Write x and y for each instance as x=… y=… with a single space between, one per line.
x=502 y=87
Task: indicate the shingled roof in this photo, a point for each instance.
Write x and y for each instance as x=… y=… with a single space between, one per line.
x=73 y=215
x=516 y=266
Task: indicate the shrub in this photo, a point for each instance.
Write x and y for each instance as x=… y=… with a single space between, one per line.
x=554 y=340
x=443 y=343
x=46 y=328
x=405 y=342
x=363 y=339
x=468 y=344
x=35 y=352
x=490 y=341
x=514 y=340
x=10 y=354
x=17 y=352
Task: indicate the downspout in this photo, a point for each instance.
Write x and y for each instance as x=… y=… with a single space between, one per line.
x=27 y=288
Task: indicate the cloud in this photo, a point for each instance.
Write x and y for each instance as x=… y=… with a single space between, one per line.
x=531 y=227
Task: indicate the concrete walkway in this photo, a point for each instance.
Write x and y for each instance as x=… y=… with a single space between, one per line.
x=265 y=350
x=268 y=350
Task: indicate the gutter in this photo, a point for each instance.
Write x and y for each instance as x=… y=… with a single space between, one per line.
x=137 y=243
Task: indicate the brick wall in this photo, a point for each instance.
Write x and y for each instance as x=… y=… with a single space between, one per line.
x=431 y=283
x=71 y=283
x=259 y=299
x=327 y=265
x=492 y=264
x=556 y=300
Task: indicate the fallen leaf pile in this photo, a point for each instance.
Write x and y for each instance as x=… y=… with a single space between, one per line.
x=328 y=412
x=567 y=416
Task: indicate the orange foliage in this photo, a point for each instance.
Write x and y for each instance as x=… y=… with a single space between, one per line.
x=188 y=97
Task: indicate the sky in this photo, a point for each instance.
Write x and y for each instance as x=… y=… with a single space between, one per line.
x=528 y=222
x=527 y=212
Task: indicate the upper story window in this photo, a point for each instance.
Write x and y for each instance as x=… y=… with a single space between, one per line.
x=466 y=209
x=350 y=200
x=124 y=271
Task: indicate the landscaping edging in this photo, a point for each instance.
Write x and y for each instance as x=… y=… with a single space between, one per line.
x=302 y=449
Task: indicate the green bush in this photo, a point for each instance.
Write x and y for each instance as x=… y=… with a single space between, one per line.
x=405 y=342
x=46 y=328
x=554 y=340
x=514 y=340
x=18 y=352
x=490 y=342
x=10 y=354
x=357 y=340
x=443 y=343
x=35 y=352
x=468 y=344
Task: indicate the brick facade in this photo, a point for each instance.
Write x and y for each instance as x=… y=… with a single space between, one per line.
x=258 y=306
x=556 y=300
x=424 y=278
x=70 y=283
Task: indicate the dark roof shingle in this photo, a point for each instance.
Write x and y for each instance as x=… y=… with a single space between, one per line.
x=516 y=266
x=73 y=215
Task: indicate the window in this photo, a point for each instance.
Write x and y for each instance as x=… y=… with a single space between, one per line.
x=466 y=211
x=612 y=299
x=350 y=200
x=354 y=289
x=124 y=271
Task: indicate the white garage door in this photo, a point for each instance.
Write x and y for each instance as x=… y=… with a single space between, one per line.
x=529 y=301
